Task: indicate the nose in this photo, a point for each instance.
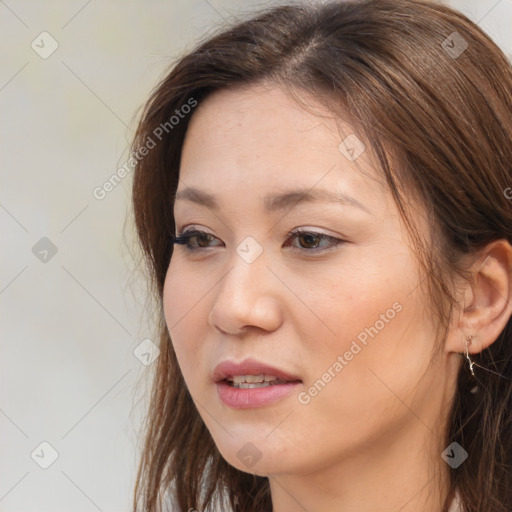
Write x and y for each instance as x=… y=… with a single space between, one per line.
x=247 y=298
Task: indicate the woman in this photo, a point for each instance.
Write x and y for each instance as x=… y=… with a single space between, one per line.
x=323 y=199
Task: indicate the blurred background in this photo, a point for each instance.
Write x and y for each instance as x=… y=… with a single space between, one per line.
x=76 y=339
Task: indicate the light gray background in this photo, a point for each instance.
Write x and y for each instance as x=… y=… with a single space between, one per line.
x=70 y=325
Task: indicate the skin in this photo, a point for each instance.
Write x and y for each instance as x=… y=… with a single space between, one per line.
x=371 y=439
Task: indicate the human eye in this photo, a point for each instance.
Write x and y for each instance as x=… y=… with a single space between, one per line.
x=308 y=241
x=312 y=241
x=194 y=239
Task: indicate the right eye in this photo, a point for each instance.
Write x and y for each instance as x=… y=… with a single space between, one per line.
x=194 y=239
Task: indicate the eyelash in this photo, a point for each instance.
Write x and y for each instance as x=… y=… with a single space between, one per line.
x=184 y=238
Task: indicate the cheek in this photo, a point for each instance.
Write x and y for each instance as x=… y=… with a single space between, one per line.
x=345 y=300
x=358 y=400
x=373 y=331
x=368 y=345
x=183 y=298
x=184 y=313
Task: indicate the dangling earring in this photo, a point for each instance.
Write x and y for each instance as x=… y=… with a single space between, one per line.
x=469 y=339
x=471 y=363
x=473 y=390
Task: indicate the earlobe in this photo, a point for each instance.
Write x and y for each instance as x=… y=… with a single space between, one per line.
x=487 y=299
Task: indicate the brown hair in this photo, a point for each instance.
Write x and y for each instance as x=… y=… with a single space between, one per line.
x=438 y=118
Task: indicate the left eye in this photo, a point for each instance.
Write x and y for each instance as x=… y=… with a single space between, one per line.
x=195 y=240
x=312 y=240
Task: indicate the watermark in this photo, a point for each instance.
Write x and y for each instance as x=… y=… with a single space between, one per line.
x=44 y=45
x=454 y=45
x=508 y=192
x=146 y=352
x=351 y=147
x=249 y=454
x=249 y=249
x=44 y=455
x=304 y=397
x=100 y=192
x=166 y=127
x=44 y=250
x=454 y=455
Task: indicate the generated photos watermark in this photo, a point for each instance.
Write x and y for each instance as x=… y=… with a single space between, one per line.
x=100 y=192
x=305 y=397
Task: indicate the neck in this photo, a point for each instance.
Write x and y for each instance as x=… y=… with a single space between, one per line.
x=391 y=475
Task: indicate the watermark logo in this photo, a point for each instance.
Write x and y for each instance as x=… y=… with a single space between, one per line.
x=454 y=455
x=100 y=192
x=305 y=397
x=146 y=352
x=44 y=455
x=454 y=45
x=249 y=454
x=44 y=250
x=249 y=249
x=44 y=45
x=174 y=120
x=351 y=147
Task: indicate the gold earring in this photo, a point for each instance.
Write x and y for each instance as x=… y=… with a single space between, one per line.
x=471 y=363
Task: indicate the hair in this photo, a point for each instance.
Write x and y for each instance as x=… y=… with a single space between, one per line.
x=438 y=122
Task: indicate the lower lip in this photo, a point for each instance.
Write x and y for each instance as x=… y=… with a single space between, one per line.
x=240 y=398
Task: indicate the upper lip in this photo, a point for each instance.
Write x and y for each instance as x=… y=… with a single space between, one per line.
x=249 y=367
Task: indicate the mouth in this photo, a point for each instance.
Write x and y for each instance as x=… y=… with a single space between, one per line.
x=251 y=371
x=252 y=384
x=255 y=381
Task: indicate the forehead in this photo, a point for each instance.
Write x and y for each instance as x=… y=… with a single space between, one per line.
x=263 y=112
x=259 y=138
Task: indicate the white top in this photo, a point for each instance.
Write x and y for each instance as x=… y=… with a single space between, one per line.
x=456 y=504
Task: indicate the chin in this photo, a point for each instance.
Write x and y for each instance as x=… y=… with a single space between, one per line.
x=261 y=468
x=258 y=457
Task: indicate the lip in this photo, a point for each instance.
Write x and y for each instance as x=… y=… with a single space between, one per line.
x=240 y=398
x=249 y=367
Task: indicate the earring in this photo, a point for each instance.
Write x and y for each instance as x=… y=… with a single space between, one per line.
x=474 y=390
x=471 y=363
x=469 y=339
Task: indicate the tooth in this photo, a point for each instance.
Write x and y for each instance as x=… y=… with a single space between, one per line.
x=269 y=378
x=254 y=378
x=248 y=378
x=251 y=385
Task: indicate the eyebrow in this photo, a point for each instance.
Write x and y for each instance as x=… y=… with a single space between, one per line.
x=276 y=201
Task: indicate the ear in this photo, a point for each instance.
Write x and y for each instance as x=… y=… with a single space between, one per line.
x=485 y=303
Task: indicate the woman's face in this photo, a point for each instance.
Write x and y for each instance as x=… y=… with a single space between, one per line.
x=337 y=313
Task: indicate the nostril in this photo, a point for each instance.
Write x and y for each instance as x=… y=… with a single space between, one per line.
x=222 y=331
